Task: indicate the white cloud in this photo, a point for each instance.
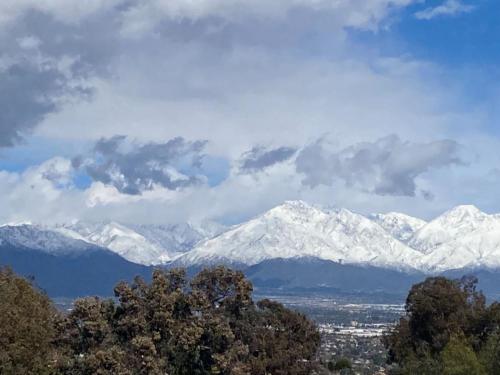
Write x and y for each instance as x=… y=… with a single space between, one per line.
x=63 y=10
x=138 y=16
x=448 y=8
x=45 y=194
x=363 y=14
x=239 y=74
x=40 y=193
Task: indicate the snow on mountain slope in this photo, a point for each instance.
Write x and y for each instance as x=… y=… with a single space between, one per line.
x=463 y=237
x=146 y=244
x=122 y=240
x=296 y=229
x=49 y=240
x=179 y=238
x=400 y=226
x=479 y=249
x=450 y=226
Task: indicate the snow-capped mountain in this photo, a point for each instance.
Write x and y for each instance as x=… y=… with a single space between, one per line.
x=146 y=244
x=142 y=244
x=453 y=224
x=296 y=229
x=54 y=241
x=123 y=241
x=400 y=226
x=463 y=237
x=179 y=238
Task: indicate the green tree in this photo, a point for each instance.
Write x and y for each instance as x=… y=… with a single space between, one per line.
x=458 y=358
x=447 y=329
x=436 y=310
x=208 y=326
x=26 y=327
x=342 y=363
x=490 y=354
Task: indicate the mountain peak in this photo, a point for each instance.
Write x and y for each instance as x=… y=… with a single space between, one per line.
x=468 y=209
x=462 y=214
x=295 y=205
x=292 y=209
x=459 y=222
x=296 y=229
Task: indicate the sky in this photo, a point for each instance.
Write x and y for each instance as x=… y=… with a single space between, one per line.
x=164 y=111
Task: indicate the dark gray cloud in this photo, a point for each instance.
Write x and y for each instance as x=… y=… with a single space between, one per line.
x=388 y=166
x=158 y=37
x=27 y=94
x=134 y=168
x=44 y=64
x=260 y=158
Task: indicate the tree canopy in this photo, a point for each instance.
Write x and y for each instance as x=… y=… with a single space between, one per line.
x=448 y=329
x=26 y=327
x=209 y=325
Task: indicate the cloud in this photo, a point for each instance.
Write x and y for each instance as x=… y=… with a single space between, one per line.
x=53 y=49
x=44 y=66
x=46 y=193
x=61 y=10
x=260 y=158
x=448 y=8
x=30 y=89
x=42 y=193
x=239 y=74
x=141 y=16
x=133 y=168
x=387 y=166
x=134 y=14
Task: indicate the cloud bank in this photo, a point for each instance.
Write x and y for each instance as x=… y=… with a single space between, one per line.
x=197 y=89
x=143 y=167
x=388 y=166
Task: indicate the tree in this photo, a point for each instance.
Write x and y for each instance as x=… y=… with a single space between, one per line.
x=27 y=319
x=447 y=329
x=458 y=358
x=436 y=310
x=342 y=364
x=490 y=354
x=208 y=326
x=280 y=341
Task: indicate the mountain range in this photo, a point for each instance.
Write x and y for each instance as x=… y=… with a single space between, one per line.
x=292 y=234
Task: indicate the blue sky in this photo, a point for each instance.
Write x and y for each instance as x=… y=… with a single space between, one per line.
x=465 y=39
x=465 y=45
x=172 y=110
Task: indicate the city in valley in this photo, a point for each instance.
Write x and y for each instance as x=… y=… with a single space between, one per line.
x=351 y=328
